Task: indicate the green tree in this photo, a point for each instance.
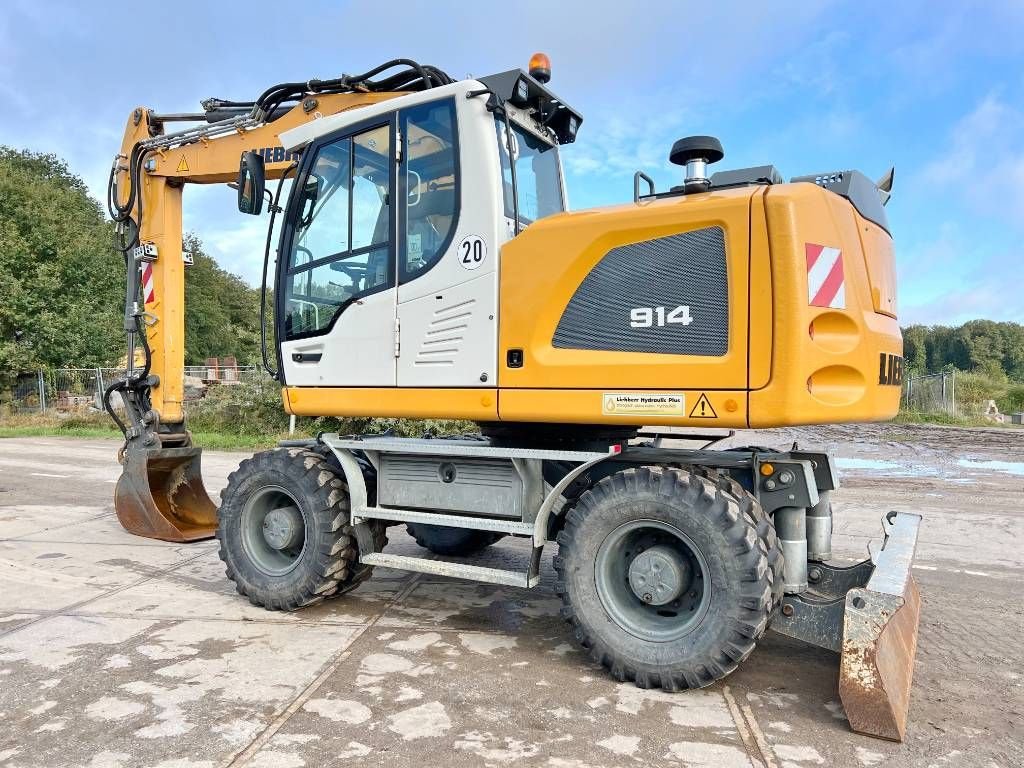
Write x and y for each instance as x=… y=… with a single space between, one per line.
x=221 y=311
x=915 y=348
x=985 y=347
x=60 y=282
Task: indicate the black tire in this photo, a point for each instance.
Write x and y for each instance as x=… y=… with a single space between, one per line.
x=751 y=508
x=327 y=564
x=451 y=542
x=736 y=607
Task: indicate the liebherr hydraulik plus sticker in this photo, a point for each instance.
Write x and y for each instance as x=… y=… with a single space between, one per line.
x=643 y=404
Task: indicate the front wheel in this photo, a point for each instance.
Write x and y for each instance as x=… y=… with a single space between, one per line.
x=663 y=578
x=285 y=533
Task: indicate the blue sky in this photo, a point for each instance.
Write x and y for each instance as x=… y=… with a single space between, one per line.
x=934 y=88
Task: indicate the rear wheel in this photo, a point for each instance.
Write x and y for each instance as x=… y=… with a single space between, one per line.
x=751 y=508
x=663 y=578
x=284 y=531
x=451 y=542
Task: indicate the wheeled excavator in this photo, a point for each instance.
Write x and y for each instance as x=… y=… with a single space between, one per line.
x=428 y=266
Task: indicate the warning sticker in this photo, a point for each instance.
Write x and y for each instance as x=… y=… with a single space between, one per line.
x=825 y=284
x=702 y=409
x=643 y=404
x=182 y=165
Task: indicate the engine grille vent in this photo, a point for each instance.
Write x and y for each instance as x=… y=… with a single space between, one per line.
x=685 y=270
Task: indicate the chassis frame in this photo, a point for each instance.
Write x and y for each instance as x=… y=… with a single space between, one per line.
x=868 y=612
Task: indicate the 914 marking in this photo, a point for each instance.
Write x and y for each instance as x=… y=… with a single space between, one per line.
x=659 y=317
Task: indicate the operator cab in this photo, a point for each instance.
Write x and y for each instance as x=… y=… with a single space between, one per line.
x=387 y=271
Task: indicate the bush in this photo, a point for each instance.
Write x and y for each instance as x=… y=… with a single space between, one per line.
x=256 y=410
x=974 y=390
x=1013 y=400
x=239 y=409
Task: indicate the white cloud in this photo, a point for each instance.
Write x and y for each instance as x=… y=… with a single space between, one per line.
x=814 y=66
x=953 y=277
x=816 y=87
x=983 y=161
x=984 y=299
x=236 y=241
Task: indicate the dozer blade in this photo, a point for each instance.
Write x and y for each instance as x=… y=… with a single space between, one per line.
x=880 y=636
x=160 y=495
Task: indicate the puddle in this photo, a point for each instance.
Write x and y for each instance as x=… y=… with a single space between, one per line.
x=867 y=464
x=898 y=469
x=1012 y=467
x=891 y=468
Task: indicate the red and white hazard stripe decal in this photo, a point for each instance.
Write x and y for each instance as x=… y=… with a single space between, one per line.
x=825 y=283
x=147 y=283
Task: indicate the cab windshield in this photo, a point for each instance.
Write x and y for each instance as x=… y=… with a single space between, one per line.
x=538 y=184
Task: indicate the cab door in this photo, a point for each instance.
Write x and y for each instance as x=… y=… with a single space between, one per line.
x=336 y=295
x=447 y=245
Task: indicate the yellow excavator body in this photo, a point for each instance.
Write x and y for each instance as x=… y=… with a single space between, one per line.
x=786 y=356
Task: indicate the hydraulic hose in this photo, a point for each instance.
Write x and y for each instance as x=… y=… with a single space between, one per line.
x=414 y=77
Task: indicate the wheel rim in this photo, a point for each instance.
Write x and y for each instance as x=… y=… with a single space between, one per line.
x=273 y=530
x=652 y=580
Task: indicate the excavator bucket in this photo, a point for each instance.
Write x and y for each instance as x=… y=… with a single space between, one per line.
x=160 y=495
x=880 y=636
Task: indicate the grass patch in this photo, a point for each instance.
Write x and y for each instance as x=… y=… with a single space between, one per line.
x=219 y=441
x=99 y=426
x=215 y=441
x=944 y=419
x=43 y=430
x=232 y=420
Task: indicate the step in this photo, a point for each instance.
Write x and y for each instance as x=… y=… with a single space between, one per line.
x=452 y=521
x=455 y=570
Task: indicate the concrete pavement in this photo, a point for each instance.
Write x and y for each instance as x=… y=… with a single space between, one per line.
x=117 y=651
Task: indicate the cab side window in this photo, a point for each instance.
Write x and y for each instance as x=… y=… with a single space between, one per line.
x=340 y=249
x=538 y=182
x=430 y=168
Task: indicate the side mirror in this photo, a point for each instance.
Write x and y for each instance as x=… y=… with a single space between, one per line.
x=252 y=176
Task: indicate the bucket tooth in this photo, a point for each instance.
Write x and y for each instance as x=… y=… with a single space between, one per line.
x=160 y=495
x=880 y=624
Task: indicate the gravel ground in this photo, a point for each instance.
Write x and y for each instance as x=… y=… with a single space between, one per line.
x=117 y=651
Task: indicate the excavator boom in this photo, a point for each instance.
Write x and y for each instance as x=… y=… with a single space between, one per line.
x=160 y=493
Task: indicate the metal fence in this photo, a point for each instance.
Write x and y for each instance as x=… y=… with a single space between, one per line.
x=71 y=390
x=934 y=393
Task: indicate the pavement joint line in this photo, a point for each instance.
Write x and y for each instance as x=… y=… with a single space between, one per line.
x=66 y=609
x=762 y=743
x=413 y=627
x=331 y=667
x=750 y=743
x=63 y=525
x=171 y=617
x=25 y=539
